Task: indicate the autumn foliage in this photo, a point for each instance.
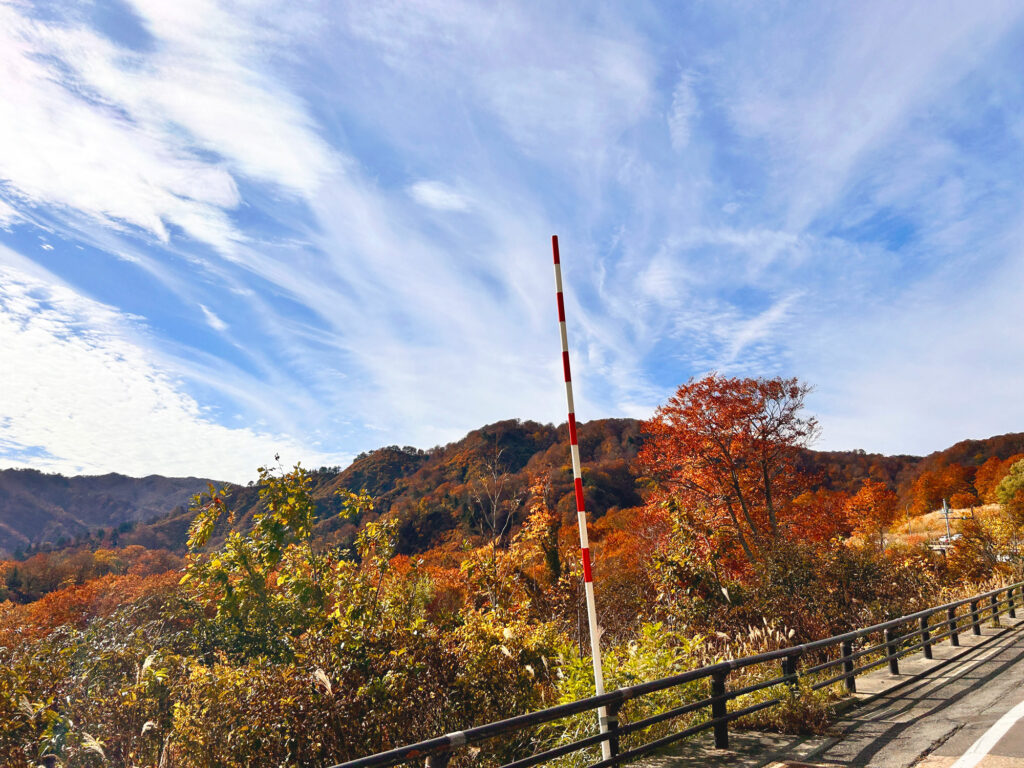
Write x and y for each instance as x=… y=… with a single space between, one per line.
x=726 y=449
x=311 y=623
x=990 y=475
x=871 y=511
x=950 y=481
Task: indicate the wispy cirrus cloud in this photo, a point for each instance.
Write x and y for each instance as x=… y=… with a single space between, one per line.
x=823 y=119
x=442 y=197
x=82 y=394
x=151 y=139
x=684 y=109
x=8 y=215
x=328 y=226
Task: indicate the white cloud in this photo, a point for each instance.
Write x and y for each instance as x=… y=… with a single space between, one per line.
x=212 y=320
x=441 y=197
x=454 y=317
x=8 y=215
x=685 y=108
x=820 y=93
x=59 y=148
x=758 y=328
x=211 y=77
x=939 y=363
x=556 y=86
x=589 y=99
x=120 y=135
x=440 y=336
x=81 y=395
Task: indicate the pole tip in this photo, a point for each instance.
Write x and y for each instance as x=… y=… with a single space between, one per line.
x=554 y=247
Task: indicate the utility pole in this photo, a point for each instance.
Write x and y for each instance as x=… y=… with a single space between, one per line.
x=948 y=517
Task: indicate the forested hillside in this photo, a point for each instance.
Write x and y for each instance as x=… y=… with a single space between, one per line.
x=443 y=496
x=439 y=496
x=49 y=508
x=305 y=619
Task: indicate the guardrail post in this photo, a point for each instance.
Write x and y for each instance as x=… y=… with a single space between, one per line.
x=438 y=761
x=1011 y=609
x=613 y=727
x=975 y=618
x=890 y=651
x=848 y=669
x=719 y=709
x=954 y=638
x=994 y=602
x=926 y=643
x=789 y=669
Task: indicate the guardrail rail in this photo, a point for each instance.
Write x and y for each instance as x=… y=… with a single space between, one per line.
x=927 y=628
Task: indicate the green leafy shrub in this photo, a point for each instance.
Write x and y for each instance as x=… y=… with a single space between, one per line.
x=800 y=709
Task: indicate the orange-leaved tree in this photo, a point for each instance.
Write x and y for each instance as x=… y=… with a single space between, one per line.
x=991 y=473
x=726 y=450
x=820 y=515
x=872 y=510
x=943 y=482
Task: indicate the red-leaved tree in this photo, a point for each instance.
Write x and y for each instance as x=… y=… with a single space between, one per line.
x=725 y=449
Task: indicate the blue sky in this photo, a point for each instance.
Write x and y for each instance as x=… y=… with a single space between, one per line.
x=229 y=230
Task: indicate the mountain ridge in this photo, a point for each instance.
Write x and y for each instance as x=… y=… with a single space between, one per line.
x=38 y=507
x=433 y=494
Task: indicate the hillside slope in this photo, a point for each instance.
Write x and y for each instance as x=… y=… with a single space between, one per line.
x=974 y=453
x=436 y=495
x=37 y=507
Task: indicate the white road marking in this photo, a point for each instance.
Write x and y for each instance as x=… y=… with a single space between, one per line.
x=983 y=746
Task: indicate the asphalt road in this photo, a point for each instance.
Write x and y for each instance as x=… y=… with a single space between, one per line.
x=966 y=711
x=970 y=713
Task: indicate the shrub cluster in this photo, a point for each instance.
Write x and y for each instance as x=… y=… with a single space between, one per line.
x=271 y=650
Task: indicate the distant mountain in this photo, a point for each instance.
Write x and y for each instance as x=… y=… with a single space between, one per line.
x=974 y=453
x=847 y=470
x=433 y=494
x=48 y=508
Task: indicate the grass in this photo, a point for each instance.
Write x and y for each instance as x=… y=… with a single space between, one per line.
x=931 y=526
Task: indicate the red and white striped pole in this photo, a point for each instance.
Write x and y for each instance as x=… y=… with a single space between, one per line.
x=581 y=514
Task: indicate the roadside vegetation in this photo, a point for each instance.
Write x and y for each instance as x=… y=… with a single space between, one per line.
x=271 y=645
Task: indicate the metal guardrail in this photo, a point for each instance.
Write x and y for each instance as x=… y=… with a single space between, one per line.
x=925 y=633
